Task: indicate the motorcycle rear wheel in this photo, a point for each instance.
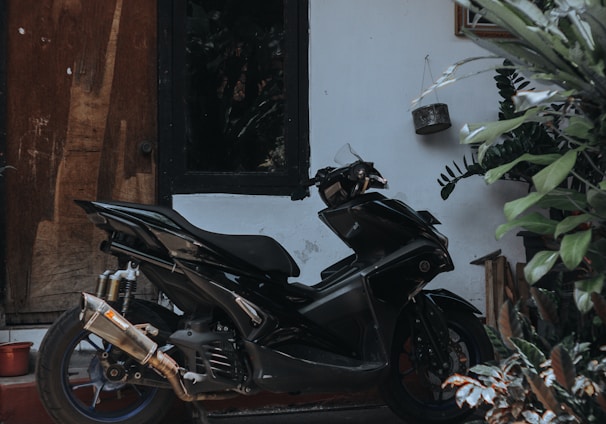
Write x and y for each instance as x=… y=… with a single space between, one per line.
x=72 y=386
x=416 y=395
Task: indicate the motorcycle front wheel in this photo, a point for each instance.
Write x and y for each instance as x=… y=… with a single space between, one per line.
x=72 y=383
x=413 y=391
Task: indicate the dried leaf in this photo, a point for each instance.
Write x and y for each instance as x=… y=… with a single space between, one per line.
x=544 y=394
x=509 y=324
x=563 y=367
x=601 y=400
x=599 y=305
x=548 y=308
x=459 y=380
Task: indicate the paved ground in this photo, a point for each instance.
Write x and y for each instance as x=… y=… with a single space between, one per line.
x=366 y=415
x=345 y=415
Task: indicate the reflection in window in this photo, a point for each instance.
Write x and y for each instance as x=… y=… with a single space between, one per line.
x=234 y=85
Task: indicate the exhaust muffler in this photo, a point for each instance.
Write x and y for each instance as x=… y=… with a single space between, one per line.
x=104 y=321
x=101 y=319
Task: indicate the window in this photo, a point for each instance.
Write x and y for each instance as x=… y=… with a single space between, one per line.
x=233 y=105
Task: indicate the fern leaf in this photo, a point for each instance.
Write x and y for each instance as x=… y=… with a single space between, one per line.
x=457 y=167
x=509 y=324
x=447 y=190
x=450 y=172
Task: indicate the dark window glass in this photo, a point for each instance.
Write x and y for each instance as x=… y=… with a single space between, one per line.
x=233 y=96
x=235 y=85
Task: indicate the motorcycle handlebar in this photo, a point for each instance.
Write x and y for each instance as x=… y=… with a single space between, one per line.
x=357 y=172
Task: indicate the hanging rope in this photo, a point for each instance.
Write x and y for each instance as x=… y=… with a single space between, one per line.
x=427 y=67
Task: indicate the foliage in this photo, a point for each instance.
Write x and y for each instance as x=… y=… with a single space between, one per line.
x=546 y=376
x=553 y=364
x=565 y=45
x=530 y=137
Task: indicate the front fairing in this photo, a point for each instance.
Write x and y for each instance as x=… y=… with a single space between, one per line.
x=374 y=226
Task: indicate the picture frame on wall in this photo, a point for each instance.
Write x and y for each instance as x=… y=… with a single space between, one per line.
x=464 y=19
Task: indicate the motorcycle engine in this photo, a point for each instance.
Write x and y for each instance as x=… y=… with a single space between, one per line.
x=211 y=355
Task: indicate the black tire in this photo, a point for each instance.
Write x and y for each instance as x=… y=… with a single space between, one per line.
x=417 y=396
x=67 y=370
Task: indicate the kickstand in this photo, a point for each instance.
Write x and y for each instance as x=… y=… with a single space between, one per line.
x=198 y=413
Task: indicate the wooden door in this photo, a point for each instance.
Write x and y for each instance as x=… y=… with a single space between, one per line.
x=81 y=100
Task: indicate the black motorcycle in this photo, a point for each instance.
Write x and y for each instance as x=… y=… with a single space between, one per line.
x=241 y=327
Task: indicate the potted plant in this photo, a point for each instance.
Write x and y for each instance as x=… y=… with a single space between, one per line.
x=561 y=43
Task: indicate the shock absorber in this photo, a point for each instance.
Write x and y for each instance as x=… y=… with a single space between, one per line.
x=101 y=289
x=129 y=277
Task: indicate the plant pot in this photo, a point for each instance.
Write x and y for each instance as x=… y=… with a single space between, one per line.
x=14 y=359
x=432 y=118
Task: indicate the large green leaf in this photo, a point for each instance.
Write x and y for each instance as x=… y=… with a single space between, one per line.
x=533 y=46
x=574 y=247
x=564 y=199
x=597 y=200
x=535 y=222
x=583 y=290
x=540 y=265
x=579 y=127
x=488 y=132
x=570 y=223
x=516 y=207
x=552 y=176
x=525 y=99
x=547 y=45
x=494 y=174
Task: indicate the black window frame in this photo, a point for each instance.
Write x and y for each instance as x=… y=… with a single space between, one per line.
x=173 y=176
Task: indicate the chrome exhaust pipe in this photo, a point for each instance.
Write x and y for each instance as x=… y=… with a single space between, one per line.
x=101 y=319
x=104 y=321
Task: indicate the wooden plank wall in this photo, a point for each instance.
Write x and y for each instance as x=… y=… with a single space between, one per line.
x=81 y=98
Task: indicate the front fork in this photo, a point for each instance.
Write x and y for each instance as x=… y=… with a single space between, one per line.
x=431 y=336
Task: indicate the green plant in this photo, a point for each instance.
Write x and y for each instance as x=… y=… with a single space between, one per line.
x=530 y=137
x=552 y=368
x=565 y=45
x=546 y=376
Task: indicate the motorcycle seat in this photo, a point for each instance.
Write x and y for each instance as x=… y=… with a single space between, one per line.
x=261 y=252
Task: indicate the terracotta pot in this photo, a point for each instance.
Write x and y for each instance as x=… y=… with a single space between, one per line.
x=14 y=358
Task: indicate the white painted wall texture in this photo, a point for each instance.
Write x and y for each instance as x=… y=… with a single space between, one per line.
x=366 y=66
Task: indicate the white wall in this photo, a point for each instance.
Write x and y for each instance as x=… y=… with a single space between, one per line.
x=366 y=66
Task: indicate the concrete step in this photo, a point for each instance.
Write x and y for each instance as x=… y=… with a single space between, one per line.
x=20 y=403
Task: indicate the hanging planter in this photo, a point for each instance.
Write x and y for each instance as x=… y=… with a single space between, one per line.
x=434 y=117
